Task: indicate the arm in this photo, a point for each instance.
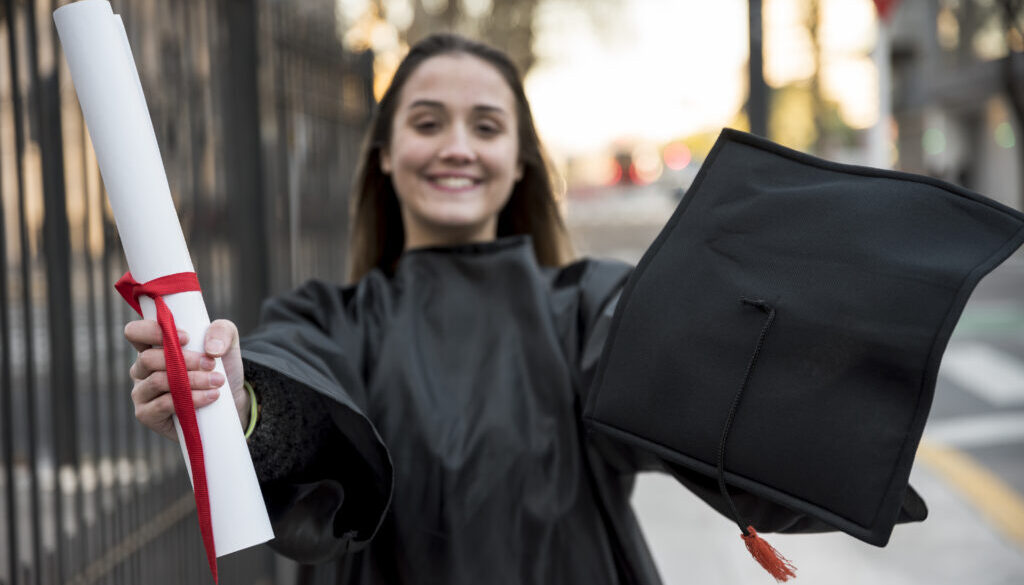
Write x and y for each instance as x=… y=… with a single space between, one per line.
x=325 y=472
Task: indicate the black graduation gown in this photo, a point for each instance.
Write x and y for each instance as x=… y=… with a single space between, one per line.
x=457 y=453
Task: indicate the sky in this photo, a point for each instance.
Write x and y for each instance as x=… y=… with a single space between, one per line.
x=662 y=70
x=659 y=70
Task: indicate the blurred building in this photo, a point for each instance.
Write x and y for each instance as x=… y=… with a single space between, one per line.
x=958 y=82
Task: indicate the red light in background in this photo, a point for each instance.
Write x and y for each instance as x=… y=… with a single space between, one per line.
x=616 y=175
x=634 y=176
x=677 y=156
x=885 y=7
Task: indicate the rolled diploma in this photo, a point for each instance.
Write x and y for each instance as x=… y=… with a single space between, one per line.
x=109 y=91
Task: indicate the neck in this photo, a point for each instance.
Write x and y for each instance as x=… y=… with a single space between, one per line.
x=417 y=237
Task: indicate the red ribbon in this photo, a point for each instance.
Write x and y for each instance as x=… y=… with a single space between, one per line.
x=181 y=390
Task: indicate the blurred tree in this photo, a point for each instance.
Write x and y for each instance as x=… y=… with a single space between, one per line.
x=504 y=24
x=822 y=112
x=757 y=89
x=389 y=27
x=801 y=115
x=802 y=119
x=789 y=123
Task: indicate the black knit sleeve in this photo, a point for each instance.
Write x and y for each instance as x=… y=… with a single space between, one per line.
x=325 y=472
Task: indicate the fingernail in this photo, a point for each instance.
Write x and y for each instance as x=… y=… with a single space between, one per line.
x=216 y=379
x=213 y=394
x=214 y=346
x=207 y=363
x=182 y=336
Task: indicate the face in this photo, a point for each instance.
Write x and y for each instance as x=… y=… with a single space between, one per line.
x=454 y=151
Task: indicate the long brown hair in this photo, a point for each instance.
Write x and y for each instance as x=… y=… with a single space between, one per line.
x=378 y=236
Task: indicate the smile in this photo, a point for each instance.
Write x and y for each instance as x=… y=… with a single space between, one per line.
x=449 y=183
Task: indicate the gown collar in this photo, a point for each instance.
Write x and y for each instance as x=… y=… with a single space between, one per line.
x=509 y=253
x=506 y=244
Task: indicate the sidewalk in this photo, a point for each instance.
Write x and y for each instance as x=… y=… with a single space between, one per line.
x=692 y=544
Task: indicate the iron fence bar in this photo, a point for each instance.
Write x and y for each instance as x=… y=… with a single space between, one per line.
x=103 y=414
x=107 y=485
x=6 y=405
x=243 y=161
x=125 y=423
x=88 y=479
x=94 y=373
x=118 y=441
x=86 y=460
x=56 y=246
x=26 y=290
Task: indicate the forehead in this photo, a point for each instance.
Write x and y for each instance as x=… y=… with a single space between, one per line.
x=458 y=81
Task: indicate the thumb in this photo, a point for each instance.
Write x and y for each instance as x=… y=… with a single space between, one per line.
x=221 y=337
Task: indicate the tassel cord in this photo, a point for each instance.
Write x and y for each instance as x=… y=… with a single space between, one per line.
x=763 y=306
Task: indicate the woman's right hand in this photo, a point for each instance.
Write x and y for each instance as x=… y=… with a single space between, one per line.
x=151 y=392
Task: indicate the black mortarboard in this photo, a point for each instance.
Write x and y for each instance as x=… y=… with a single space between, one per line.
x=788 y=323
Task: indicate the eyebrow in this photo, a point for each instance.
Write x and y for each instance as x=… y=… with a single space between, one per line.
x=438 y=105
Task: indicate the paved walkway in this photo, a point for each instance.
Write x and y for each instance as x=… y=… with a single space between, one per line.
x=692 y=544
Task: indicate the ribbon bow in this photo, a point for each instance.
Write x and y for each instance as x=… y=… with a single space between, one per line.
x=181 y=390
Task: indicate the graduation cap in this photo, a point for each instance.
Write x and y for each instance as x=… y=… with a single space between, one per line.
x=783 y=333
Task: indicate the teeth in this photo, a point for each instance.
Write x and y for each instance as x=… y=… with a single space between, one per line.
x=454 y=182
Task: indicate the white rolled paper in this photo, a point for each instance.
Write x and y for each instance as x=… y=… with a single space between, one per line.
x=103 y=71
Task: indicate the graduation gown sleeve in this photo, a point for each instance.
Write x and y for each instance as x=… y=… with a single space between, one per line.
x=311 y=346
x=600 y=286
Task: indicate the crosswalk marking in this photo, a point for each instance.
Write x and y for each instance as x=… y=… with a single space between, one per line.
x=992 y=375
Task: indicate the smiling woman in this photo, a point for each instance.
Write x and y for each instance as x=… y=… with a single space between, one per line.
x=424 y=425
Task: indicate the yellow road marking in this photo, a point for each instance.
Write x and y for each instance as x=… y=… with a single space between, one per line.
x=998 y=503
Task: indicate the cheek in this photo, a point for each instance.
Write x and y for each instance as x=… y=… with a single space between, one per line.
x=503 y=161
x=411 y=154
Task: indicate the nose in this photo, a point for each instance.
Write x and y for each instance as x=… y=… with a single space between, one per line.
x=458 y=146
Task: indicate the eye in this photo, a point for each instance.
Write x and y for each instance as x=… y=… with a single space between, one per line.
x=426 y=125
x=488 y=128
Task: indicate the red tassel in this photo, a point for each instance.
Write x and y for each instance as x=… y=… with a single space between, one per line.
x=777 y=565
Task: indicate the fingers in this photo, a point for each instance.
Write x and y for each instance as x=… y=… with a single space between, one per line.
x=152 y=360
x=146 y=333
x=221 y=337
x=156 y=413
x=151 y=394
x=155 y=386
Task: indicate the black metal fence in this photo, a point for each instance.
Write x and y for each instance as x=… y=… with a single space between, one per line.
x=259 y=113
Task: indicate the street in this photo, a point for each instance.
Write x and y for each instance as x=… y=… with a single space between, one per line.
x=969 y=469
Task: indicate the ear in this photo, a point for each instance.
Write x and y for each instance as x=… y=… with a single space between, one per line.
x=385 y=161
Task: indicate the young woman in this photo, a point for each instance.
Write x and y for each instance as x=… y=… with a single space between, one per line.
x=422 y=425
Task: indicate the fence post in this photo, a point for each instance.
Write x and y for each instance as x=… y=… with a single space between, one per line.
x=245 y=197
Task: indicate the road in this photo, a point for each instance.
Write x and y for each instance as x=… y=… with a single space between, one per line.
x=969 y=470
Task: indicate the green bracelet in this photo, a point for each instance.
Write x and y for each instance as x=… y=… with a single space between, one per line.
x=253 y=409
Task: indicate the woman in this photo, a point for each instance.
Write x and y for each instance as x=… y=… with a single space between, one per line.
x=422 y=425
